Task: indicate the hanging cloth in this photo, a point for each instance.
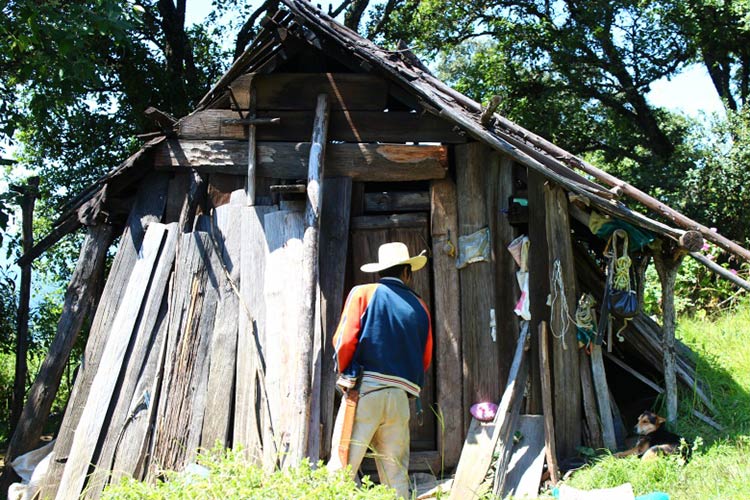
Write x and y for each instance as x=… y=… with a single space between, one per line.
x=604 y=227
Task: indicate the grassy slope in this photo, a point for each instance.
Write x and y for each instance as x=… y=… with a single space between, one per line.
x=720 y=467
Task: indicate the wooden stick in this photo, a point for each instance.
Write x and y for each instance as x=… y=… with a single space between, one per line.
x=28 y=199
x=549 y=426
x=310 y=284
x=667 y=269
x=251 y=149
x=717 y=269
x=77 y=304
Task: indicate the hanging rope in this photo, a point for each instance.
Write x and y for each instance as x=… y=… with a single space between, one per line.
x=558 y=295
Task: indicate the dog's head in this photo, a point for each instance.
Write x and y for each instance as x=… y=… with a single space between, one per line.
x=648 y=422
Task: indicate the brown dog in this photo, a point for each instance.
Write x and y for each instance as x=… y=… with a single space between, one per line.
x=653 y=439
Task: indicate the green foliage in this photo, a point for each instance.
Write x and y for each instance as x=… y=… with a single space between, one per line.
x=230 y=475
x=7 y=370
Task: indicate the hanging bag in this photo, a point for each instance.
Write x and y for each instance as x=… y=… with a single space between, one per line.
x=622 y=298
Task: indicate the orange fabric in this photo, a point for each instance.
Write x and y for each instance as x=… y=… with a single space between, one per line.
x=346 y=338
x=427 y=357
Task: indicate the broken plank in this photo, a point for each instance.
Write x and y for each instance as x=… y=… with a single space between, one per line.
x=526 y=464
x=103 y=385
x=288 y=160
x=345 y=126
x=477 y=453
x=349 y=91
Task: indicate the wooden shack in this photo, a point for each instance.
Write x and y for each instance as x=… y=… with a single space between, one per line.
x=243 y=225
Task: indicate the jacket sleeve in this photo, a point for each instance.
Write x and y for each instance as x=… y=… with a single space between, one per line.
x=347 y=334
x=427 y=355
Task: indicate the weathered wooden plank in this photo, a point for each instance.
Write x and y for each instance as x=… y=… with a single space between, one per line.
x=149 y=207
x=373 y=222
x=350 y=91
x=221 y=188
x=183 y=392
x=397 y=201
x=538 y=279
x=223 y=351
x=477 y=454
x=78 y=303
x=102 y=387
x=126 y=403
x=602 y=396
x=250 y=405
x=288 y=160
x=283 y=297
x=334 y=246
x=447 y=319
x=589 y=402
x=499 y=188
x=345 y=126
x=546 y=402
x=566 y=374
x=305 y=400
x=526 y=463
x=482 y=378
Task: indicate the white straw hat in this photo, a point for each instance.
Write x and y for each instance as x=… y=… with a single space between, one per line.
x=394 y=254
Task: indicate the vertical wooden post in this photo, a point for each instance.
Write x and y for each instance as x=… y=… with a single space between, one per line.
x=79 y=299
x=546 y=385
x=567 y=383
x=334 y=244
x=303 y=392
x=589 y=402
x=251 y=150
x=538 y=280
x=667 y=267
x=447 y=319
x=22 y=320
x=602 y=396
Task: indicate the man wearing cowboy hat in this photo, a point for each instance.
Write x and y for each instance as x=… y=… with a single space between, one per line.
x=384 y=339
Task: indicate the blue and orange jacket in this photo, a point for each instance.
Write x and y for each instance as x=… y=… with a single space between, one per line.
x=385 y=332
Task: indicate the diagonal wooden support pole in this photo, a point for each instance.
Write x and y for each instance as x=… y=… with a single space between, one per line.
x=307 y=325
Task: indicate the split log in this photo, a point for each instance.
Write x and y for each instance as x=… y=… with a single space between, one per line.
x=302 y=391
x=28 y=199
x=482 y=378
x=477 y=454
x=103 y=385
x=129 y=402
x=667 y=267
x=447 y=319
x=549 y=425
x=345 y=126
x=223 y=349
x=334 y=245
x=250 y=406
x=602 y=397
x=589 y=402
x=191 y=321
x=562 y=278
x=286 y=160
x=77 y=305
x=148 y=208
x=282 y=289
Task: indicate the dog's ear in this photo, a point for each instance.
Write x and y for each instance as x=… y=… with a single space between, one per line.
x=660 y=420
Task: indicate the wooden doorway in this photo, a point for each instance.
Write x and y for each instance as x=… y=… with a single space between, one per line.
x=368 y=233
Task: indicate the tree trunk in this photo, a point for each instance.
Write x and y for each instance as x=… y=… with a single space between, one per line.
x=22 y=330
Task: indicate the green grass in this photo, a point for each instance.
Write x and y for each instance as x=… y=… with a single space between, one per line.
x=231 y=476
x=719 y=468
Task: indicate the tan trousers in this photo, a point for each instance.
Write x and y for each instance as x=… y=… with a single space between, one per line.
x=381 y=426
